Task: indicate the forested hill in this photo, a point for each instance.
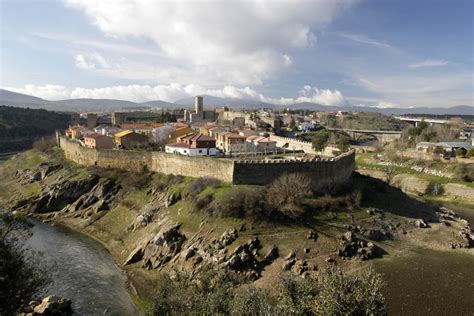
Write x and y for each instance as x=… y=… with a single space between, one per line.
x=30 y=123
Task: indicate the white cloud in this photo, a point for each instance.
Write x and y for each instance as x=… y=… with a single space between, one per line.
x=175 y=91
x=225 y=42
x=429 y=63
x=48 y=92
x=409 y=90
x=360 y=38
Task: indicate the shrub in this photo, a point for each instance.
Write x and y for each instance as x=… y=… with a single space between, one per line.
x=464 y=172
x=202 y=202
x=241 y=203
x=330 y=292
x=287 y=193
x=197 y=186
x=470 y=153
x=333 y=292
x=460 y=153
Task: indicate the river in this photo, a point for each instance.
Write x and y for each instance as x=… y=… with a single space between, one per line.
x=82 y=270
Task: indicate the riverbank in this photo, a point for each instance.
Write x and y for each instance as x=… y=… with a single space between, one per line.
x=150 y=226
x=78 y=268
x=141 y=302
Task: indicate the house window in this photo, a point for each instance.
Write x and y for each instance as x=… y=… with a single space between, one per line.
x=200 y=151
x=185 y=151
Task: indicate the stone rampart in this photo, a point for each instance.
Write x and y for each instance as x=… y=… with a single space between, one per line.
x=193 y=166
x=325 y=173
x=293 y=144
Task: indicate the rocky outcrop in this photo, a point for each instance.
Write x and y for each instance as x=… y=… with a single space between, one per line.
x=82 y=197
x=243 y=259
x=169 y=245
x=97 y=199
x=59 y=195
x=350 y=246
x=49 y=306
x=163 y=247
x=148 y=212
x=228 y=237
x=39 y=173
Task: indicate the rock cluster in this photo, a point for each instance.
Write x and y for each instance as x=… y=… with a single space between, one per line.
x=377 y=233
x=170 y=245
x=350 y=246
x=465 y=236
x=148 y=212
x=421 y=223
x=26 y=176
x=49 y=306
x=58 y=195
x=297 y=266
x=163 y=247
x=243 y=259
x=97 y=199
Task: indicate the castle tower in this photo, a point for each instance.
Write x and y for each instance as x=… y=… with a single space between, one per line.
x=198 y=105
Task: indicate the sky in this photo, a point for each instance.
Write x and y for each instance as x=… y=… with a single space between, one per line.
x=381 y=53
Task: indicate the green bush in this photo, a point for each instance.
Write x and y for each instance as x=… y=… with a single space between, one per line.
x=241 y=203
x=470 y=153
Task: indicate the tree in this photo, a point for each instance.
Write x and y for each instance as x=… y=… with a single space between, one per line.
x=320 y=140
x=343 y=142
x=287 y=193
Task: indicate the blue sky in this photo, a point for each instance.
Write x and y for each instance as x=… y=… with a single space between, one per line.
x=381 y=53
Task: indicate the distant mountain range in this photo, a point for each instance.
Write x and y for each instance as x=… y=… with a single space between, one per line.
x=105 y=105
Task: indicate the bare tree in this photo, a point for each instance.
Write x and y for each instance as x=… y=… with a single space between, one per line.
x=287 y=193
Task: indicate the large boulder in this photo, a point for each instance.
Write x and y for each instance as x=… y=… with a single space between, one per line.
x=49 y=306
x=228 y=237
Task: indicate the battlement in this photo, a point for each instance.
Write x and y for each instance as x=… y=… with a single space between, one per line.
x=325 y=172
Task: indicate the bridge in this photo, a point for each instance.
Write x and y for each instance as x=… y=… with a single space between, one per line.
x=416 y=120
x=383 y=137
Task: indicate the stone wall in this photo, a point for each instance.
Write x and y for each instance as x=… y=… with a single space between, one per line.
x=137 y=160
x=293 y=144
x=324 y=172
x=193 y=166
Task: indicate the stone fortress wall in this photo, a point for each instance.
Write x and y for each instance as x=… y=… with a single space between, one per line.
x=293 y=144
x=324 y=172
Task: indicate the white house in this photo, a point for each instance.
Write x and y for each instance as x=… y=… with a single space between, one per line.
x=193 y=145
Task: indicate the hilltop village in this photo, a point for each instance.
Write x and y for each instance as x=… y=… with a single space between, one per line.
x=222 y=132
x=258 y=193
x=218 y=133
